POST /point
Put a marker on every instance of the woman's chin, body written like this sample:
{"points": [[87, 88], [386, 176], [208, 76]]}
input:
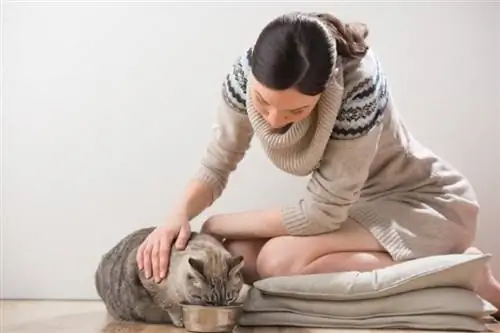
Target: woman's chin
{"points": [[282, 129]]}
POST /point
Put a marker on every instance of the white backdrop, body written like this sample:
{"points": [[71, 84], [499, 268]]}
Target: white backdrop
{"points": [[107, 108]]}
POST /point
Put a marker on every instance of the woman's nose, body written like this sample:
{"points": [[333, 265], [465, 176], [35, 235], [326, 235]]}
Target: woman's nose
{"points": [[275, 120]]}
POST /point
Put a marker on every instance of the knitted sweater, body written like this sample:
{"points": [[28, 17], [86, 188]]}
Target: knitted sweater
{"points": [[354, 147]]}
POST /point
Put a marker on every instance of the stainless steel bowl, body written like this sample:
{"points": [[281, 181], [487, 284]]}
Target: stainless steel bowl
{"points": [[210, 319]]}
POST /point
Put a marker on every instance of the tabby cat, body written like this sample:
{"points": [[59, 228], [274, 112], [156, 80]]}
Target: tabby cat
{"points": [[205, 273]]}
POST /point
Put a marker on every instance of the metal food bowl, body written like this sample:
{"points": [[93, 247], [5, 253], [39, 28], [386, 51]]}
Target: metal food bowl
{"points": [[210, 319]]}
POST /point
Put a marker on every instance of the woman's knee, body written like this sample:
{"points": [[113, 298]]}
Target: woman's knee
{"points": [[249, 249], [290, 255], [279, 258]]}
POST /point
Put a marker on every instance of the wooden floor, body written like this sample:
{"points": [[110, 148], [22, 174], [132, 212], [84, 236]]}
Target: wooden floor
{"points": [[90, 317]]}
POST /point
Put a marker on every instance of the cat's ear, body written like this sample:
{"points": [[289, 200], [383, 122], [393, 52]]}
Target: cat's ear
{"points": [[197, 265], [235, 264]]}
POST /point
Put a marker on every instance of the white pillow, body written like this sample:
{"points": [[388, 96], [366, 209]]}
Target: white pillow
{"points": [[453, 270]]}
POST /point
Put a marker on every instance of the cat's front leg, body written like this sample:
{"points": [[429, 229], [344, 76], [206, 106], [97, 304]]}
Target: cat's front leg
{"points": [[175, 313]]}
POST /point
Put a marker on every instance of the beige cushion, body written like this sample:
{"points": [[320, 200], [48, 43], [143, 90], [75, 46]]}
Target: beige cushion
{"points": [[429, 293], [433, 308], [445, 300], [454, 270], [436, 322]]}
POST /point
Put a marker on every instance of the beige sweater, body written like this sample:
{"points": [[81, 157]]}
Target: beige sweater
{"points": [[355, 148]]}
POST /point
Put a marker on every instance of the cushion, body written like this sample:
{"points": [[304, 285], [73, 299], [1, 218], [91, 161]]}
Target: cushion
{"points": [[442, 300], [453, 270], [432, 293], [441, 322]]}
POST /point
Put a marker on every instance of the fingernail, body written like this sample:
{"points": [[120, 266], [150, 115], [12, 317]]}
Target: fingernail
{"points": [[147, 275]]}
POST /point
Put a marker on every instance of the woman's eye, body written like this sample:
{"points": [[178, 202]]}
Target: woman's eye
{"points": [[261, 101], [296, 112]]}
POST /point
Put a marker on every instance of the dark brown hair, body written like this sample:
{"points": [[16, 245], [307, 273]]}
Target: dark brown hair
{"points": [[296, 53], [350, 37]]}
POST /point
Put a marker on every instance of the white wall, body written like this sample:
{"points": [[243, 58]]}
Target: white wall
{"points": [[99, 102]]}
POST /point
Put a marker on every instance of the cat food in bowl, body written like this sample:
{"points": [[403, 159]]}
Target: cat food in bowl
{"points": [[210, 319]]}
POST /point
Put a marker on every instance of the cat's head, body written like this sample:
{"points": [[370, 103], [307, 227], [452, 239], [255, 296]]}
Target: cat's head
{"points": [[214, 280]]}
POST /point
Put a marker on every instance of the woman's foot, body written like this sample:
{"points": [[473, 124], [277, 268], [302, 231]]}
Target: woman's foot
{"points": [[488, 287]]}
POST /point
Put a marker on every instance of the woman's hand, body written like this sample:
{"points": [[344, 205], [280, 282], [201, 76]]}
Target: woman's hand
{"points": [[154, 253]]}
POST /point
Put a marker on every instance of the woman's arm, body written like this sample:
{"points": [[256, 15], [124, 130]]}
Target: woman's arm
{"points": [[330, 193], [334, 188], [232, 134], [244, 225], [196, 198], [230, 141]]}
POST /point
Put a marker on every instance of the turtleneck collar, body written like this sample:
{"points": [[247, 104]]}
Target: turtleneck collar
{"points": [[299, 149]]}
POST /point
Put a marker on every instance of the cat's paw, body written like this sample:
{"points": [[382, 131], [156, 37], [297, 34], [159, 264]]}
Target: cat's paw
{"points": [[177, 322], [176, 316]]}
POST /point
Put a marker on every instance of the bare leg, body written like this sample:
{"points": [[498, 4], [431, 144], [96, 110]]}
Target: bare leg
{"points": [[290, 255], [349, 261], [249, 249], [489, 287]]}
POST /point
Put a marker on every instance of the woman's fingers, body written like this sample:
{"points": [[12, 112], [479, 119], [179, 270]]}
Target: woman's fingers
{"points": [[140, 256], [183, 237], [153, 255], [164, 256], [147, 259]]}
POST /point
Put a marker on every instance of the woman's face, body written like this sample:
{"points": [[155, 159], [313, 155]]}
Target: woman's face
{"points": [[281, 107]]}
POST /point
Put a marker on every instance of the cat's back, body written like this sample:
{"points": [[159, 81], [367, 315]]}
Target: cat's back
{"points": [[117, 282], [118, 262], [127, 244]]}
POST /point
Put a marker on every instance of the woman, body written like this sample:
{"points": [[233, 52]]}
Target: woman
{"points": [[314, 94]]}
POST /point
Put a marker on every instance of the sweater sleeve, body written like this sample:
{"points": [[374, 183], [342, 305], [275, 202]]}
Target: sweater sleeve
{"points": [[232, 131], [336, 185]]}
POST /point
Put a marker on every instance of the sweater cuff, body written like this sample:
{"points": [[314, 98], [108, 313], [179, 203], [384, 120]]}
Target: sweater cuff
{"points": [[296, 222], [216, 183]]}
